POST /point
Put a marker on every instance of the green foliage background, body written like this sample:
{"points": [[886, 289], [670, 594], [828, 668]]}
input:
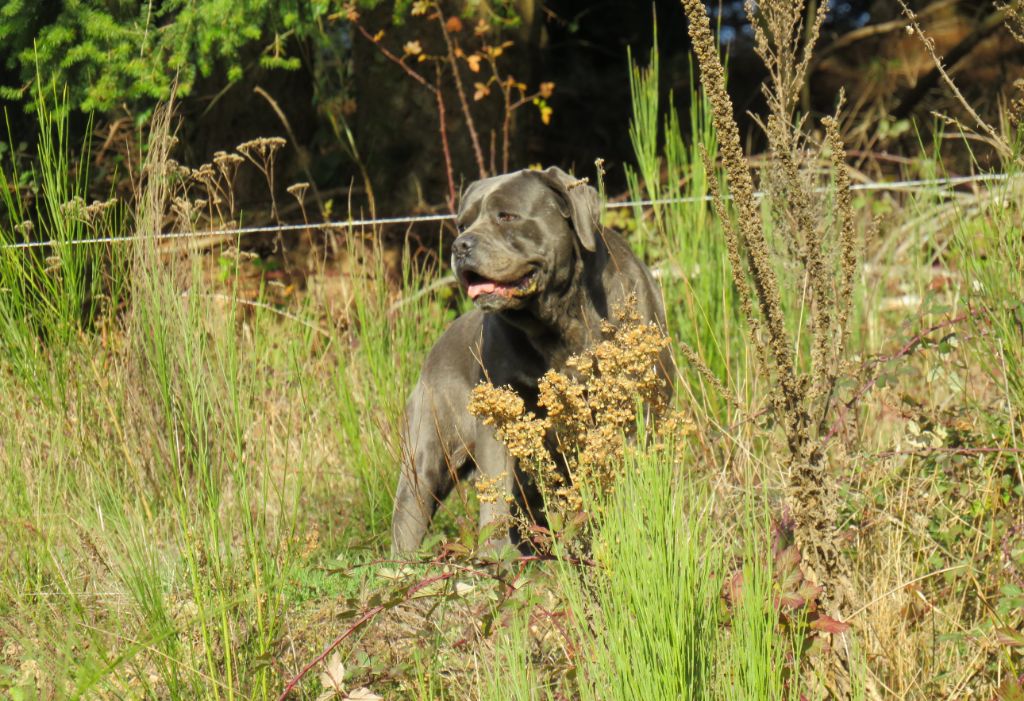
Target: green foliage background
{"points": [[114, 51], [111, 51]]}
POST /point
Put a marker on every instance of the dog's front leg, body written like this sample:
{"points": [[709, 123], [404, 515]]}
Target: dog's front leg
{"points": [[424, 481], [496, 468]]}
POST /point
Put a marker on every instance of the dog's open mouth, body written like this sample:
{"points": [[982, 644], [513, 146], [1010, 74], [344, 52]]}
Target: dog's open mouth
{"points": [[477, 285]]}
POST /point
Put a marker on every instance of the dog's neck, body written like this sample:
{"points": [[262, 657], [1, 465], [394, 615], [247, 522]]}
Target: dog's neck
{"points": [[566, 322]]}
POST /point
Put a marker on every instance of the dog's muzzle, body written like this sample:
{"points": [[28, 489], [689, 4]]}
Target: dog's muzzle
{"points": [[477, 283]]}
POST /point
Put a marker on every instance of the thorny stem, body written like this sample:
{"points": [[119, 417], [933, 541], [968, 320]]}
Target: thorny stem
{"points": [[411, 592], [438, 97], [443, 128], [506, 124], [394, 59], [470, 124], [365, 618], [997, 141], [908, 348], [510, 108], [923, 452]]}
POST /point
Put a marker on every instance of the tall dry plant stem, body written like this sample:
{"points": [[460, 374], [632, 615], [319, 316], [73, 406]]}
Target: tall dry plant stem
{"points": [[748, 237], [154, 190], [777, 35], [463, 102], [800, 398]]}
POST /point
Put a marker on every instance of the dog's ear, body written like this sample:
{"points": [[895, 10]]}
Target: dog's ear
{"points": [[582, 205]]}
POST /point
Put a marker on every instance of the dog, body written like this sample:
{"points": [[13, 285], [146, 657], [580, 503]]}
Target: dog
{"points": [[542, 275]]}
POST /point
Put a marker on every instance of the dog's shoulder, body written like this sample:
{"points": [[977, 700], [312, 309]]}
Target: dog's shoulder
{"points": [[459, 344], [619, 251]]}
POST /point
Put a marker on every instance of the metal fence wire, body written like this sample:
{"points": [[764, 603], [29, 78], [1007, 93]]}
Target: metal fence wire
{"points": [[937, 184]]}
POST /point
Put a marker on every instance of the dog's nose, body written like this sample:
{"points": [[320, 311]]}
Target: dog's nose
{"points": [[463, 245]]}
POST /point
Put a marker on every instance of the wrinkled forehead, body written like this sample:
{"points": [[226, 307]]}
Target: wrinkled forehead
{"points": [[518, 192]]}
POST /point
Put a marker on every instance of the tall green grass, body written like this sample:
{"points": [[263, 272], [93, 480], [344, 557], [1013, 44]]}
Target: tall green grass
{"points": [[206, 458], [990, 249], [48, 295], [680, 235], [512, 674], [387, 341], [648, 618], [649, 613]]}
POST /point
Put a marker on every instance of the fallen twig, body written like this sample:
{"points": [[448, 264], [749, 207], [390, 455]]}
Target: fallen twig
{"points": [[365, 618]]}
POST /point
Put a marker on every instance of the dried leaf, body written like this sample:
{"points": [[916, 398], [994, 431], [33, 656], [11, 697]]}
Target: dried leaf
{"points": [[791, 600], [420, 7], [333, 674], [810, 592], [394, 575], [827, 624], [454, 549], [1010, 637], [481, 91], [546, 89], [362, 694], [412, 48], [474, 62], [787, 559], [734, 587]]}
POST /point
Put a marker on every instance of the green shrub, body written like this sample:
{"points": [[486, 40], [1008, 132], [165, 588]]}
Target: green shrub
{"points": [[126, 51]]}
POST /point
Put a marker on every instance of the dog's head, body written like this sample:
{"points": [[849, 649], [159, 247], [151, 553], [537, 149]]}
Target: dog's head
{"points": [[521, 234]]}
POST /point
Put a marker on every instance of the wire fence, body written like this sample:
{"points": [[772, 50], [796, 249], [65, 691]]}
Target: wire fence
{"points": [[932, 184]]}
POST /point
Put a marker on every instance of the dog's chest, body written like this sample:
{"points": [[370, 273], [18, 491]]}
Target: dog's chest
{"points": [[510, 358]]}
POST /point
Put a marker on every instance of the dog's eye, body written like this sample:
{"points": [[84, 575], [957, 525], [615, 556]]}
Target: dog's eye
{"points": [[507, 216]]}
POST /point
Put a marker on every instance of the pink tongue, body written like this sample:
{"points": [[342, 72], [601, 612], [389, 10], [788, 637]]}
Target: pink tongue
{"points": [[480, 288]]}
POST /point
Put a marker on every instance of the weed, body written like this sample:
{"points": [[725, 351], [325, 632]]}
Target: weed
{"points": [[586, 418], [51, 293], [800, 401]]}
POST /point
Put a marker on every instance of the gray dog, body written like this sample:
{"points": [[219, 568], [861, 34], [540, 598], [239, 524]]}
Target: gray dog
{"points": [[542, 273]]}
